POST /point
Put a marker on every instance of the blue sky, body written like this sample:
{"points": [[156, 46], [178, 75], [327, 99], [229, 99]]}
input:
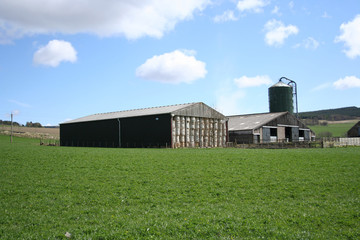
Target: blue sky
{"points": [[61, 60]]}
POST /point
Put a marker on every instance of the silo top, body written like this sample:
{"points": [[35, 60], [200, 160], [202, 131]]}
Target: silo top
{"points": [[280, 84]]}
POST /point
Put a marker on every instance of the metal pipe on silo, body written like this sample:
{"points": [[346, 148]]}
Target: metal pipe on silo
{"points": [[292, 82]]}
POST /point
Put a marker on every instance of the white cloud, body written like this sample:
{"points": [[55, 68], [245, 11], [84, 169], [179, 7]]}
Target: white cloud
{"points": [[351, 37], [133, 19], [21, 104], [54, 52], [291, 5], [321, 87], [308, 43], [227, 101], [277, 32], [174, 67], [226, 16], [276, 11], [311, 43], [252, 5], [347, 82], [325, 15], [15, 112], [244, 81], [231, 92]]}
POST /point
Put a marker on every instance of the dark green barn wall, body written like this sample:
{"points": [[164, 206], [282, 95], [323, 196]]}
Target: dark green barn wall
{"points": [[143, 131], [241, 137], [146, 131], [90, 134]]}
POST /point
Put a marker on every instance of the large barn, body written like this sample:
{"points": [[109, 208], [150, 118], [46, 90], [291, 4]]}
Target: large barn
{"points": [[182, 125], [268, 127]]}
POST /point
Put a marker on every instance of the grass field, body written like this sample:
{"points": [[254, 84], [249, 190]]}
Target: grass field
{"points": [[337, 129], [96, 193]]}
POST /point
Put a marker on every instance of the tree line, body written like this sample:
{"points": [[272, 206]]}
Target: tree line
{"points": [[28, 124], [337, 114]]}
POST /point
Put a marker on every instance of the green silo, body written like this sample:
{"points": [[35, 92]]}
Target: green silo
{"points": [[281, 98]]}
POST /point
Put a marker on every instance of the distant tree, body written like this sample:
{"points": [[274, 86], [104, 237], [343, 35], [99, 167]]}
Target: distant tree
{"points": [[31, 124], [9, 123], [311, 121], [37, 125], [333, 114], [324, 123]]}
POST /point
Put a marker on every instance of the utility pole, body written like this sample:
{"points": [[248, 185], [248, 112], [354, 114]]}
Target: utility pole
{"points": [[11, 134]]}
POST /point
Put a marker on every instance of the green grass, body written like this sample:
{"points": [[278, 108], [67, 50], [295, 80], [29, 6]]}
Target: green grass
{"points": [[337, 129], [96, 193]]}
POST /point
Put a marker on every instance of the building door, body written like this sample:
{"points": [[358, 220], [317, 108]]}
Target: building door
{"points": [[306, 135], [266, 134], [295, 133], [288, 134], [256, 139]]}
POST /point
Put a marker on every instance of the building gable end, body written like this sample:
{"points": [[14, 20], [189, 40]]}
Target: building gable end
{"points": [[199, 110]]}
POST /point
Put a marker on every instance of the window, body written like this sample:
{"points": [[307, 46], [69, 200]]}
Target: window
{"points": [[301, 133], [273, 132]]}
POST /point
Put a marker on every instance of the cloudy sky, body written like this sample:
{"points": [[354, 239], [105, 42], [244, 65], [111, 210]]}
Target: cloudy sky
{"points": [[65, 59]]}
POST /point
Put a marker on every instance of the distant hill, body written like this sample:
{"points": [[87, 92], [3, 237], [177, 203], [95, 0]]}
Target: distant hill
{"points": [[337, 114]]}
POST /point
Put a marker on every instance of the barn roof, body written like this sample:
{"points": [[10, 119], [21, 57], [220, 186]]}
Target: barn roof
{"points": [[197, 109], [251, 121]]}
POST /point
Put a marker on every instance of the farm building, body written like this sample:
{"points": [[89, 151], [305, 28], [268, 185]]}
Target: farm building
{"points": [[354, 131], [268, 127], [183, 125]]}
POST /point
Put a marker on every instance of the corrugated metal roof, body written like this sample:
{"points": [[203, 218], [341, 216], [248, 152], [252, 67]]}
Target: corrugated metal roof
{"points": [[132, 113], [251, 121]]}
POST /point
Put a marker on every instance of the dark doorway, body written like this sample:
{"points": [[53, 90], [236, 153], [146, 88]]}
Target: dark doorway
{"points": [[288, 133]]}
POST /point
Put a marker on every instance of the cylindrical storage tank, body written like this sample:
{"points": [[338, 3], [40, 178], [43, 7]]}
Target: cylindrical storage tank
{"points": [[281, 98]]}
